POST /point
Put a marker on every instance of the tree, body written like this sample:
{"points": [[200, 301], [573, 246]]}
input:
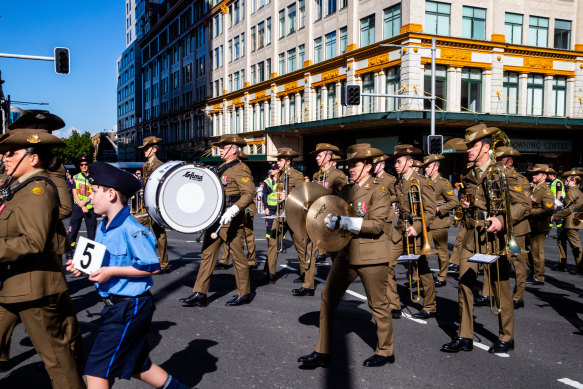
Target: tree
{"points": [[76, 146]]}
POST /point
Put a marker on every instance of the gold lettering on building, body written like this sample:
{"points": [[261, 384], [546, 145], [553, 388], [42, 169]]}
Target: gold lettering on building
{"points": [[378, 60], [330, 74], [456, 54]]}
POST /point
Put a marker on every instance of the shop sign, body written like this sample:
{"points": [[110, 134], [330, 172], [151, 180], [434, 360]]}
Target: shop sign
{"points": [[542, 145]]}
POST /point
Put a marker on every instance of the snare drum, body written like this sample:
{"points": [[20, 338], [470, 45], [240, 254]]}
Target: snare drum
{"points": [[184, 196]]}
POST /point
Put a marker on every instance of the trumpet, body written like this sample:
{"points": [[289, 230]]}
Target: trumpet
{"points": [[280, 214]]}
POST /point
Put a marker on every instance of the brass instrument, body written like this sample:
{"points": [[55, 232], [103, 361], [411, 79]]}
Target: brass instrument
{"points": [[458, 213], [280, 212]]}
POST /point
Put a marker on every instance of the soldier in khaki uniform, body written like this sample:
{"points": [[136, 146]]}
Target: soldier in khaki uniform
{"points": [[571, 225], [239, 194], [543, 203], [386, 180], [293, 177], [403, 157], [34, 288], [446, 201], [480, 224], [506, 155], [150, 147], [331, 178], [365, 256]]}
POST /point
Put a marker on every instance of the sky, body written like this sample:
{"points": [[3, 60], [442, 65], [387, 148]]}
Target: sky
{"points": [[94, 32]]}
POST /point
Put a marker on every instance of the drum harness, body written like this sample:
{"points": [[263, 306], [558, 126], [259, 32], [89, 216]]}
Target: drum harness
{"points": [[232, 199]]}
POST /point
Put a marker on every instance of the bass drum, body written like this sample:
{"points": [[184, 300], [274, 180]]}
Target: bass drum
{"points": [[184, 196]]}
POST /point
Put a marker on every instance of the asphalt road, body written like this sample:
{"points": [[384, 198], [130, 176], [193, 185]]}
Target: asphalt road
{"points": [[257, 345]]}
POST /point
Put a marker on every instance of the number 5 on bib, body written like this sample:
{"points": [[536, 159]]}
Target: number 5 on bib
{"points": [[88, 255]]}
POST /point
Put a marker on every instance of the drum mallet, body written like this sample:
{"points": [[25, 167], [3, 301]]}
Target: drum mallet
{"points": [[215, 234]]}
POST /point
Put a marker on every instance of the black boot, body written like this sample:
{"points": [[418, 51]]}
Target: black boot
{"points": [[196, 299]]}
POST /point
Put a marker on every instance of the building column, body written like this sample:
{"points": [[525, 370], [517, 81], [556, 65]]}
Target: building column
{"points": [[266, 114], [548, 108], [324, 104], [257, 113], [486, 90], [522, 90], [278, 109], [380, 87], [246, 112], [337, 103], [451, 87], [285, 110], [497, 103], [570, 97], [412, 73], [299, 108], [221, 123]]}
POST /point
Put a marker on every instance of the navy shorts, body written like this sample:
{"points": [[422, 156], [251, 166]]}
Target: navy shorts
{"points": [[121, 349]]}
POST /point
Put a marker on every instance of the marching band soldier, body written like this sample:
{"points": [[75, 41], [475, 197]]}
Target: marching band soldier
{"points": [[290, 177], [479, 224], [365, 256], [506, 155], [542, 210], [571, 223], [239, 194], [150, 145], [403, 157], [331, 178], [446, 201], [386, 180]]}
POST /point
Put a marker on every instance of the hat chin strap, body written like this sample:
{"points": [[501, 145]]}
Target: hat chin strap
{"points": [[10, 179]]}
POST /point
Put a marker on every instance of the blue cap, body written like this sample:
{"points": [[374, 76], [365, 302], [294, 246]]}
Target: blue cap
{"points": [[107, 175]]}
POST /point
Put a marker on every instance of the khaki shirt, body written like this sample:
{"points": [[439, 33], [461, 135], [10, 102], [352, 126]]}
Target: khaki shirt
{"points": [[251, 208], [294, 178], [237, 180], [331, 178], [149, 167], [568, 214], [388, 181], [29, 264], [443, 194], [542, 208], [521, 221]]}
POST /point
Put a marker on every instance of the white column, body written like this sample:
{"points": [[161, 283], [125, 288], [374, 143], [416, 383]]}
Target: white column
{"points": [[299, 108], [286, 109], [266, 114], [278, 109], [246, 112], [486, 91], [221, 124], [337, 102], [452, 90], [548, 108], [522, 90], [570, 97], [257, 113], [324, 105], [497, 102], [214, 122], [381, 86]]}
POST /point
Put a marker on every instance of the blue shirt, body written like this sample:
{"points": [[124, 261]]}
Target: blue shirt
{"points": [[127, 243]]}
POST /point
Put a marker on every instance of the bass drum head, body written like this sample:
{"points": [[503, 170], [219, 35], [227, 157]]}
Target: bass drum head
{"points": [[190, 198], [151, 190]]}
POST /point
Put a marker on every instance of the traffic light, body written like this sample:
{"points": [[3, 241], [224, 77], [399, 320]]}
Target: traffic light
{"points": [[350, 95], [434, 144], [62, 65]]}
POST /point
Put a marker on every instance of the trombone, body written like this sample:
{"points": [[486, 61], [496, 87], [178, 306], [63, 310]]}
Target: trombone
{"points": [[280, 214]]}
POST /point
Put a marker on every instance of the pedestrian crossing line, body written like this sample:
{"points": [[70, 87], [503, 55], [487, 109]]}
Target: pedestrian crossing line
{"points": [[360, 296], [484, 347], [570, 382]]}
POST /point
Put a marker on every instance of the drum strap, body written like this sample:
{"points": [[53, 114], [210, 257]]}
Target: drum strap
{"points": [[222, 169]]}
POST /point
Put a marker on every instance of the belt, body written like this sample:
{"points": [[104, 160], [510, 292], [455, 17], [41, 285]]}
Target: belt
{"points": [[114, 299], [231, 200]]}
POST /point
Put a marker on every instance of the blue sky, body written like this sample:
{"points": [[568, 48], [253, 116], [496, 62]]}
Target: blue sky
{"points": [[94, 31]]}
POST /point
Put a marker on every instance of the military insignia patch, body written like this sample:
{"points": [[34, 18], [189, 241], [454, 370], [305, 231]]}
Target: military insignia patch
{"points": [[450, 192], [139, 233], [549, 205], [245, 179], [38, 191], [383, 188], [518, 188]]}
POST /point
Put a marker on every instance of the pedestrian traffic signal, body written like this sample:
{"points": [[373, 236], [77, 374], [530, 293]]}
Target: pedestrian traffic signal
{"points": [[434, 144], [62, 65], [350, 95]]}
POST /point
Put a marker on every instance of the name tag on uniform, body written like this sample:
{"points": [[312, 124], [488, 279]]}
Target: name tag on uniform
{"points": [[483, 258], [408, 257], [88, 255]]}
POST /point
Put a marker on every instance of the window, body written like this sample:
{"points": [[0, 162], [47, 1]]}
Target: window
{"points": [[282, 23], [218, 25], [534, 94], [474, 23], [291, 60], [331, 103], [513, 28], [368, 87], [236, 84], [559, 100], [471, 89], [331, 45], [231, 51], [440, 86], [291, 15], [318, 10], [253, 79], [318, 103], [230, 83], [268, 35], [367, 31], [437, 18], [237, 53], [261, 71], [253, 39], [562, 34], [301, 55], [343, 39], [392, 86], [268, 68], [242, 44], [510, 87], [302, 21], [392, 21], [261, 35], [237, 14], [331, 6], [317, 50], [538, 31], [281, 64]]}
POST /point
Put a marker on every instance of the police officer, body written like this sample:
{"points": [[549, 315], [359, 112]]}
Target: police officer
{"points": [[543, 203], [331, 178], [287, 179], [150, 146], [365, 256], [82, 209], [571, 221], [446, 201], [480, 225], [34, 288], [239, 194], [403, 157]]}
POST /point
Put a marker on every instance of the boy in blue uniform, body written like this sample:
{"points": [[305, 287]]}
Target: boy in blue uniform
{"points": [[123, 282]]}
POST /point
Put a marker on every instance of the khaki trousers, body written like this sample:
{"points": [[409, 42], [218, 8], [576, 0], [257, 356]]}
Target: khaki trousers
{"points": [[439, 238], [232, 236], [272, 248], [457, 248], [374, 280], [395, 251], [468, 275], [519, 264], [249, 242], [570, 235], [161, 240], [310, 267], [537, 253]]}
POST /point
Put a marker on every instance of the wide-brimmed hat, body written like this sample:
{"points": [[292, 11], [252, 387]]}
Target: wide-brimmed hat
{"points": [[242, 156], [572, 173], [150, 141], [336, 157], [432, 158], [417, 163], [286, 152], [38, 119], [382, 158], [232, 139], [405, 149], [506, 151], [325, 147], [29, 137], [479, 131], [362, 151], [458, 144], [541, 168]]}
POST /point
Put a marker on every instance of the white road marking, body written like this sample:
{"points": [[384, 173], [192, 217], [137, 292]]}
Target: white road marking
{"points": [[484, 347], [570, 382]]}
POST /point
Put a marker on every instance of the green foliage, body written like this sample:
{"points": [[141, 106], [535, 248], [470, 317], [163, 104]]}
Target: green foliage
{"points": [[77, 145]]}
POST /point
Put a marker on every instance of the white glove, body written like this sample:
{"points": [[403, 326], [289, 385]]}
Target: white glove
{"points": [[229, 214], [352, 224]]}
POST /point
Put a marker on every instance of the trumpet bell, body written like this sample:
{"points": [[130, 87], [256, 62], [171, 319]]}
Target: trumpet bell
{"points": [[323, 237]]}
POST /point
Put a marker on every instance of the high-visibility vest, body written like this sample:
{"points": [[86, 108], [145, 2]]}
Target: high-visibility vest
{"points": [[271, 197], [554, 188], [83, 187]]}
